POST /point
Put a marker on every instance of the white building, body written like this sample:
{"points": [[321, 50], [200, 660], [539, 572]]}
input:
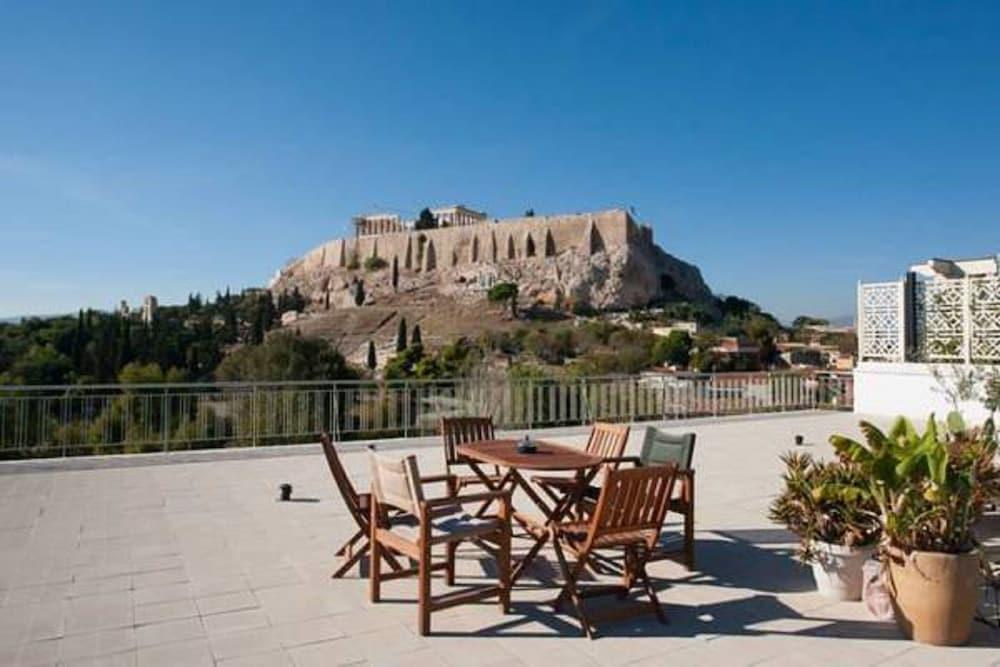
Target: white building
{"points": [[691, 328], [149, 306], [375, 224], [457, 216], [927, 342]]}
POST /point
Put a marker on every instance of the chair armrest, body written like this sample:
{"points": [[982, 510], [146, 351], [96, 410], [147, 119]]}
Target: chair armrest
{"points": [[624, 459], [432, 479], [467, 498]]}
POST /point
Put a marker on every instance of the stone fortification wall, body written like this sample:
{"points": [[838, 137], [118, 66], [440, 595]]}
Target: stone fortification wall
{"points": [[602, 259], [490, 242]]}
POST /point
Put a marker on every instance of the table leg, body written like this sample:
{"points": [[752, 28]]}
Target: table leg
{"points": [[552, 515]]}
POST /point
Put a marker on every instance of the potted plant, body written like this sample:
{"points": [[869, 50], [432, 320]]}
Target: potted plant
{"points": [[930, 488], [829, 507]]}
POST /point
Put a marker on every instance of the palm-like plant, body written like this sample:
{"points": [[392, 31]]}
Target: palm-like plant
{"points": [[930, 487], [825, 502]]}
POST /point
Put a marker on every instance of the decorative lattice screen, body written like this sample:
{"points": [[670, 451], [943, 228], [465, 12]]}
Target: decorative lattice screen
{"points": [[880, 321], [939, 308], [984, 315]]}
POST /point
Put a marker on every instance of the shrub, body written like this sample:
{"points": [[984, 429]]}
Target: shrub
{"points": [[375, 264], [930, 487], [825, 502]]}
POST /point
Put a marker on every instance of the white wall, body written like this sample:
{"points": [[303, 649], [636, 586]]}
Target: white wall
{"points": [[890, 389]]}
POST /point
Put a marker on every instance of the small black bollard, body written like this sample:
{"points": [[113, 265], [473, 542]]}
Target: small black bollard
{"points": [[799, 440], [286, 492]]}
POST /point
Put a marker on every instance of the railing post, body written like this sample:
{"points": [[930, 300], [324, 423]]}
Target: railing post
{"points": [[406, 408], [715, 395], [165, 420], [253, 417]]}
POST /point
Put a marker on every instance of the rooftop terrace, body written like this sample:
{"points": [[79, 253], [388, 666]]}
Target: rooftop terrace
{"points": [[186, 559]]}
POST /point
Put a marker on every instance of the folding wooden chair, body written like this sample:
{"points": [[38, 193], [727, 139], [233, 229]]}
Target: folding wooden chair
{"points": [[606, 440], [398, 484], [359, 507], [457, 431], [628, 516], [662, 448]]}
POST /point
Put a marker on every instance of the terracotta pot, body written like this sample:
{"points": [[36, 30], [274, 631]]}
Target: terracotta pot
{"points": [[934, 595], [837, 570]]}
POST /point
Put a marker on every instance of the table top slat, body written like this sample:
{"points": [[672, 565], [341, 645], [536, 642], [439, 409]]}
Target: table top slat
{"points": [[548, 456]]}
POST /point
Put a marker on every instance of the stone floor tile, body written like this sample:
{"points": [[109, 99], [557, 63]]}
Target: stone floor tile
{"points": [[233, 621], [218, 604], [169, 631], [245, 643], [307, 632], [162, 593], [165, 611], [128, 659], [272, 659], [189, 653]]}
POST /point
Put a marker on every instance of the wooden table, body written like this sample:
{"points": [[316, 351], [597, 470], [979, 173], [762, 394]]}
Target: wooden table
{"points": [[548, 457]]}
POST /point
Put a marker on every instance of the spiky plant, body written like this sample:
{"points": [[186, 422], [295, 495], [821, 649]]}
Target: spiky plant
{"points": [[825, 502]]}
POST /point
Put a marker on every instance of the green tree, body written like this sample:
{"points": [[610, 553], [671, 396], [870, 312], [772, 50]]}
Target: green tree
{"points": [[372, 357], [425, 220], [415, 338], [285, 356], [530, 213], [674, 349], [42, 364], [137, 372], [375, 264], [401, 335], [504, 292]]}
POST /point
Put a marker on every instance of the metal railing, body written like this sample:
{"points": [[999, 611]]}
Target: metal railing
{"points": [[104, 419]]}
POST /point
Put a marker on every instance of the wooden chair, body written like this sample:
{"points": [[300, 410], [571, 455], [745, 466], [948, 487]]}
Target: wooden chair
{"points": [[398, 484], [662, 448], [358, 506], [628, 516], [606, 440], [457, 431]]}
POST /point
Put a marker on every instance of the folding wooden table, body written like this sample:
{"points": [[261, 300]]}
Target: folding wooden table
{"points": [[547, 457]]}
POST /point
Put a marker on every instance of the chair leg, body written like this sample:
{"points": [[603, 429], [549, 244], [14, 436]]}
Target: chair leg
{"points": [[424, 592], [450, 550], [503, 565], [654, 601], [689, 526], [375, 573], [569, 589], [346, 547], [350, 561]]}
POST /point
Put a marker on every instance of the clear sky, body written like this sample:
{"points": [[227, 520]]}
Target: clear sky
{"points": [[788, 149]]}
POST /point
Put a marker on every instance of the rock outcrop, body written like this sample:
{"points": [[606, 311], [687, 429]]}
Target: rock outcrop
{"points": [[358, 289], [602, 260]]}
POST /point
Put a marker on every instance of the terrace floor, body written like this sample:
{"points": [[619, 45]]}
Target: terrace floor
{"points": [[187, 559]]}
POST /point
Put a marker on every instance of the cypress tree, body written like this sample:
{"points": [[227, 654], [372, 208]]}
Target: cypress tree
{"points": [[78, 342], [401, 335], [372, 359], [415, 336]]}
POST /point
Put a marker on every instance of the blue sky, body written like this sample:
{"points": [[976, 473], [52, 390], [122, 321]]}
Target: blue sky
{"points": [[788, 149]]}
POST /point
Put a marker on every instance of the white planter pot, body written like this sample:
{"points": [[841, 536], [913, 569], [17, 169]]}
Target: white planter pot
{"points": [[837, 570]]}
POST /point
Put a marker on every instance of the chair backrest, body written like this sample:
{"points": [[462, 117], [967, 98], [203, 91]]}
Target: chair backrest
{"points": [[347, 490], [660, 447], [608, 441], [459, 430], [396, 482], [633, 501]]}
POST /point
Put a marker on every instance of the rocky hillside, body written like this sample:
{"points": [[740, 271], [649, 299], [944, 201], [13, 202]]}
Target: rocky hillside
{"points": [[363, 299]]}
